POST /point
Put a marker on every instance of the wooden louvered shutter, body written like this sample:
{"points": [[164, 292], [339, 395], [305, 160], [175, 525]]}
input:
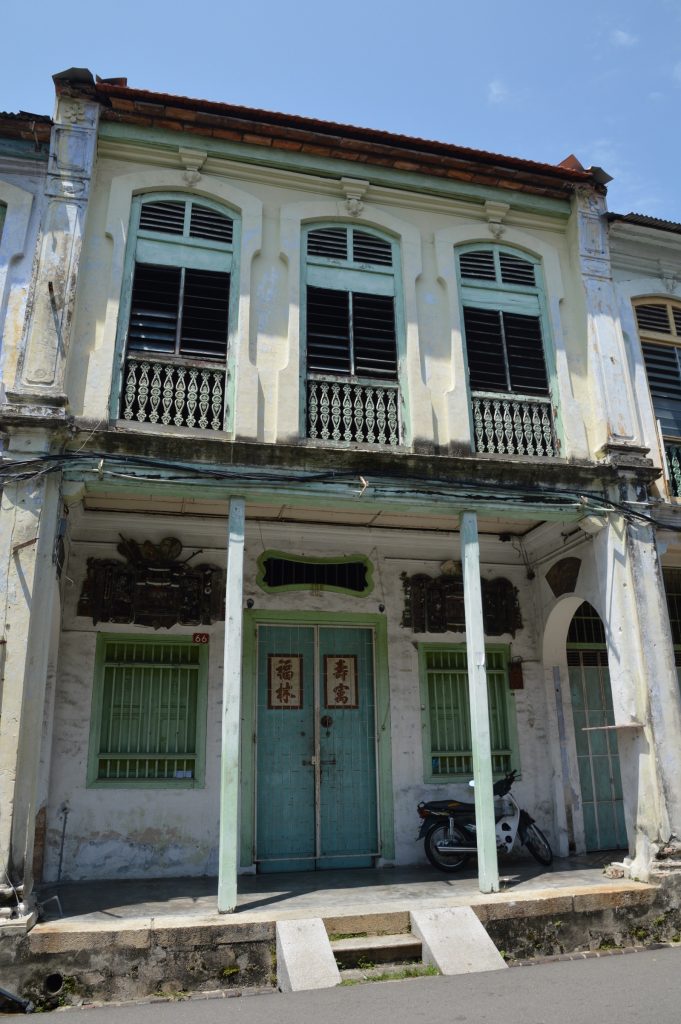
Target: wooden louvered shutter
{"points": [[373, 328], [664, 378], [328, 331], [168, 300], [505, 352]]}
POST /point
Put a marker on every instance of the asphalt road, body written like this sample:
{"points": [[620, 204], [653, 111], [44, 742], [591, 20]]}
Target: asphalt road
{"points": [[630, 989]]}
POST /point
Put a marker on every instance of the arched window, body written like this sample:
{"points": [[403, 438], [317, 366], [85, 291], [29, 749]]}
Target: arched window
{"points": [[659, 326], [176, 312], [502, 299], [351, 332]]}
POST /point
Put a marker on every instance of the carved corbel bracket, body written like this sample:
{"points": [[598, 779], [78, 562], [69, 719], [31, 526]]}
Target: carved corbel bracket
{"points": [[192, 160], [354, 190], [495, 213]]}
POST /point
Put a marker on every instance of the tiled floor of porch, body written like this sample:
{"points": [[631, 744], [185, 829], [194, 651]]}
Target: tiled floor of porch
{"points": [[159, 902]]}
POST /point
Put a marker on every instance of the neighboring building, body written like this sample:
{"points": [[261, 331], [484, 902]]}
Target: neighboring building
{"points": [[388, 355]]}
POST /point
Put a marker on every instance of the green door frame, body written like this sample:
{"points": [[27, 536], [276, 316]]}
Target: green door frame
{"points": [[252, 619]]}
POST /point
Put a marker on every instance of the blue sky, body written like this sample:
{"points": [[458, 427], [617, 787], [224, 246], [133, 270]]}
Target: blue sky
{"points": [[539, 80]]}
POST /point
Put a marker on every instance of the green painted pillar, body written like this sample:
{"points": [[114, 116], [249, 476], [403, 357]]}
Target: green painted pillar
{"points": [[231, 709], [488, 868]]}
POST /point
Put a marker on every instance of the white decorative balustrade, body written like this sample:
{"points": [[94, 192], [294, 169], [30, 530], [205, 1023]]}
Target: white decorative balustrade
{"points": [[339, 409], [513, 425], [173, 393]]}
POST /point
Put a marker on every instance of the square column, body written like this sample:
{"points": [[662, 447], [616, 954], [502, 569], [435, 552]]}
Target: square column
{"points": [[28, 589], [488, 868], [645, 690], [231, 709]]}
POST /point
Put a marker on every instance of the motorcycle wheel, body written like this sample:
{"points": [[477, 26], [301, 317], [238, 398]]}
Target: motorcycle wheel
{"points": [[538, 845], [436, 842]]}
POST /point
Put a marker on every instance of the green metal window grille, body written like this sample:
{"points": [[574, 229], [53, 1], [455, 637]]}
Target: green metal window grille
{"points": [[446, 676], [148, 711], [586, 626]]}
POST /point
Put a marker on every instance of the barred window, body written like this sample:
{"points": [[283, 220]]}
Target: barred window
{"points": [[148, 711], [447, 712]]}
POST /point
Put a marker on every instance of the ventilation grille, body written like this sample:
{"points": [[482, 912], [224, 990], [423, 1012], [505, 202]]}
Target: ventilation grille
{"points": [[478, 265], [505, 352], [516, 271], [654, 317], [285, 572], [210, 224], [177, 311], [168, 217], [351, 333], [164, 216], [370, 249], [586, 627], [331, 243]]}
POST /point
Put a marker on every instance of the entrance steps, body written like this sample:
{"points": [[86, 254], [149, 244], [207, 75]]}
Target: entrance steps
{"points": [[449, 940]]}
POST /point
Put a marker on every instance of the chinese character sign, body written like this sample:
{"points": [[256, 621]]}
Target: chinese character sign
{"points": [[285, 681], [340, 681]]}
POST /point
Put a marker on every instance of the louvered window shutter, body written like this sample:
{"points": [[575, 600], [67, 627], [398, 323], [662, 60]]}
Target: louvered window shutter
{"points": [[178, 311], [351, 333], [664, 377], [505, 352]]}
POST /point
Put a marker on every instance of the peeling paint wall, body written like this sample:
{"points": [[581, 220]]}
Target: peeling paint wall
{"points": [[136, 832]]}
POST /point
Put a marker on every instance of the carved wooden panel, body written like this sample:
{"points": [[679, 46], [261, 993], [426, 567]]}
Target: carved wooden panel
{"points": [[436, 605], [152, 587]]}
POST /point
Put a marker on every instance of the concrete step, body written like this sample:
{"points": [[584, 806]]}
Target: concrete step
{"points": [[376, 949]]}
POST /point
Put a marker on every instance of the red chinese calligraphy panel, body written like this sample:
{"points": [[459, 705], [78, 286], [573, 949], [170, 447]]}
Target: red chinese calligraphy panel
{"points": [[285, 681], [340, 681]]}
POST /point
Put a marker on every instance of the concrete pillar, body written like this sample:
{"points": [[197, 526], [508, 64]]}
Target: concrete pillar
{"points": [[231, 709], [608, 368], [29, 516], [488, 869], [645, 691], [39, 381]]}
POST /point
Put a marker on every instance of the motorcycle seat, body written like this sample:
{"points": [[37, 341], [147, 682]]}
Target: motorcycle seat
{"points": [[448, 805]]}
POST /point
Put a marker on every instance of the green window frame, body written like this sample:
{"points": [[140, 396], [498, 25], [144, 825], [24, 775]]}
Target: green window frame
{"points": [[148, 719], [179, 299], [331, 579], [446, 728], [504, 320], [659, 328], [352, 332]]}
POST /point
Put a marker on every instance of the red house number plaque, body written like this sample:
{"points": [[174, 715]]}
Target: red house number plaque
{"points": [[200, 638]]}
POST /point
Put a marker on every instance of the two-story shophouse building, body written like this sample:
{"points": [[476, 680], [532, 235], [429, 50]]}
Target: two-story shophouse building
{"points": [[277, 380]]}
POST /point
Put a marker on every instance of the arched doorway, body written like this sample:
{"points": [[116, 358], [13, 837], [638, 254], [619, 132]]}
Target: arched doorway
{"points": [[595, 735]]}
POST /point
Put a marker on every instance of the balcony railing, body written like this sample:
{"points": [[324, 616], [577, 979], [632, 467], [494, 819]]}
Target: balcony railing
{"points": [[513, 425], [363, 411], [173, 392], [672, 450]]}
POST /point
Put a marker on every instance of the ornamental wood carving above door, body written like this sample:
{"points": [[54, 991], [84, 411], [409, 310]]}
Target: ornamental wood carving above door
{"points": [[436, 605], [152, 587]]}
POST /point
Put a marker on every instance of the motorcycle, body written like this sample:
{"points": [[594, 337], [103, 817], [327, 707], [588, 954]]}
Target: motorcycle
{"points": [[448, 828]]}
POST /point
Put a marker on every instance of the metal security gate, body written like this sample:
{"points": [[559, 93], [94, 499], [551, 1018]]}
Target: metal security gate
{"points": [[316, 748], [595, 737]]}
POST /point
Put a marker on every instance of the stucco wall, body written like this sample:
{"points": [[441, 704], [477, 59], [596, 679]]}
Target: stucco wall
{"points": [[134, 832]]}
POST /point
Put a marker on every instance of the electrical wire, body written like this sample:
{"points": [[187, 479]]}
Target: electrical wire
{"points": [[189, 473]]}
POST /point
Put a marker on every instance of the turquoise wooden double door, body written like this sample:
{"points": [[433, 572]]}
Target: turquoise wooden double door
{"points": [[316, 748]]}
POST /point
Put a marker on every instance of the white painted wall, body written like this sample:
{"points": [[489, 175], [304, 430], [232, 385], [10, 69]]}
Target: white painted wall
{"points": [[146, 832]]}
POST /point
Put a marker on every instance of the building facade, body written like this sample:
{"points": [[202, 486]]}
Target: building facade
{"points": [[274, 383]]}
